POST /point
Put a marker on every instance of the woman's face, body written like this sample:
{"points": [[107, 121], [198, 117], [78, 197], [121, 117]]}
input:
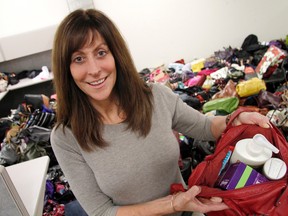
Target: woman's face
{"points": [[93, 70]]}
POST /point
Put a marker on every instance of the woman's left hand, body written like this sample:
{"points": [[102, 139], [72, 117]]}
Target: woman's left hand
{"points": [[252, 118], [189, 201]]}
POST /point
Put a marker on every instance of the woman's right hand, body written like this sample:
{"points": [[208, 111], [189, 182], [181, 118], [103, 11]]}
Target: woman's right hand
{"points": [[188, 201]]}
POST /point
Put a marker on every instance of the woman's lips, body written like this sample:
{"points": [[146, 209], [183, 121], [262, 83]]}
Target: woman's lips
{"points": [[97, 82]]}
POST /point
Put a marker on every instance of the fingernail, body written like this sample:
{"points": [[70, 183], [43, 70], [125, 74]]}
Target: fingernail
{"points": [[198, 188], [216, 199]]}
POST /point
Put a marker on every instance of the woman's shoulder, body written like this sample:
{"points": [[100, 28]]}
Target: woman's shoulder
{"points": [[160, 89], [62, 138], [164, 95], [60, 131]]}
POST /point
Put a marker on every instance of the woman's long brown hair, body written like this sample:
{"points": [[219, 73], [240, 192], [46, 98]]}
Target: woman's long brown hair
{"points": [[73, 107]]}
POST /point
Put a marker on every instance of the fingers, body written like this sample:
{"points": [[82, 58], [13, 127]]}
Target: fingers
{"points": [[264, 125], [202, 204], [212, 204], [262, 121], [217, 207], [254, 118], [194, 190]]}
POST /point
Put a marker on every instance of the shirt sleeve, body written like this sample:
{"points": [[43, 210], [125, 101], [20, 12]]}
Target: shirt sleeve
{"points": [[80, 177], [185, 119]]}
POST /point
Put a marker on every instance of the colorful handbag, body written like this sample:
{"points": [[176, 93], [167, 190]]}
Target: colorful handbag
{"points": [[226, 104], [228, 91], [269, 198], [250, 87], [271, 58]]}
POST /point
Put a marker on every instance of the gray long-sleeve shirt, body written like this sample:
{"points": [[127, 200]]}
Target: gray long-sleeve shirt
{"points": [[130, 170]]}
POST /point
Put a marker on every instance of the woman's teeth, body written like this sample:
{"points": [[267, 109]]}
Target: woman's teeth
{"points": [[98, 82]]}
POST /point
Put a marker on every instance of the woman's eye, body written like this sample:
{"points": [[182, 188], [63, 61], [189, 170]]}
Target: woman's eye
{"points": [[78, 59], [102, 53]]}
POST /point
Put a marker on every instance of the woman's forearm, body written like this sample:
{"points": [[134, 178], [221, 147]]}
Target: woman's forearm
{"points": [[180, 202], [162, 206]]}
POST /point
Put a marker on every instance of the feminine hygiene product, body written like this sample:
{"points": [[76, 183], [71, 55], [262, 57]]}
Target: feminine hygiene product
{"points": [[239, 175]]}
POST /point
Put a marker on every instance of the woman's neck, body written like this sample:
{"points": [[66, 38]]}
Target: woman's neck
{"points": [[111, 113]]}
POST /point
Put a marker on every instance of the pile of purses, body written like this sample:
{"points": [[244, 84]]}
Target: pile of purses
{"points": [[57, 187], [59, 199], [25, 134], [194, 96], [25, 144], [14, 78]]}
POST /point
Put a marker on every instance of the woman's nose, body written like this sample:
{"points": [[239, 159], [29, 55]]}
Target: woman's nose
{"points": [[93, 67]]}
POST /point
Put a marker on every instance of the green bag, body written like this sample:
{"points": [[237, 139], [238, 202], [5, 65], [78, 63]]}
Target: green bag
{"points": [[227, 104]]}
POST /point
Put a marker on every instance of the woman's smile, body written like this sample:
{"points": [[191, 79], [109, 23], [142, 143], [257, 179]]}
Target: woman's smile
{"points": [[98, 82]]}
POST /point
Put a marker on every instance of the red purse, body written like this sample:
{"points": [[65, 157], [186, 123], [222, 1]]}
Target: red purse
{"points": [[268, 198]]}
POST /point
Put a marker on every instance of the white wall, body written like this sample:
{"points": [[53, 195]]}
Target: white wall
{"points": [[28, 26], [21, 16], [157, 31], [162, 31]]}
